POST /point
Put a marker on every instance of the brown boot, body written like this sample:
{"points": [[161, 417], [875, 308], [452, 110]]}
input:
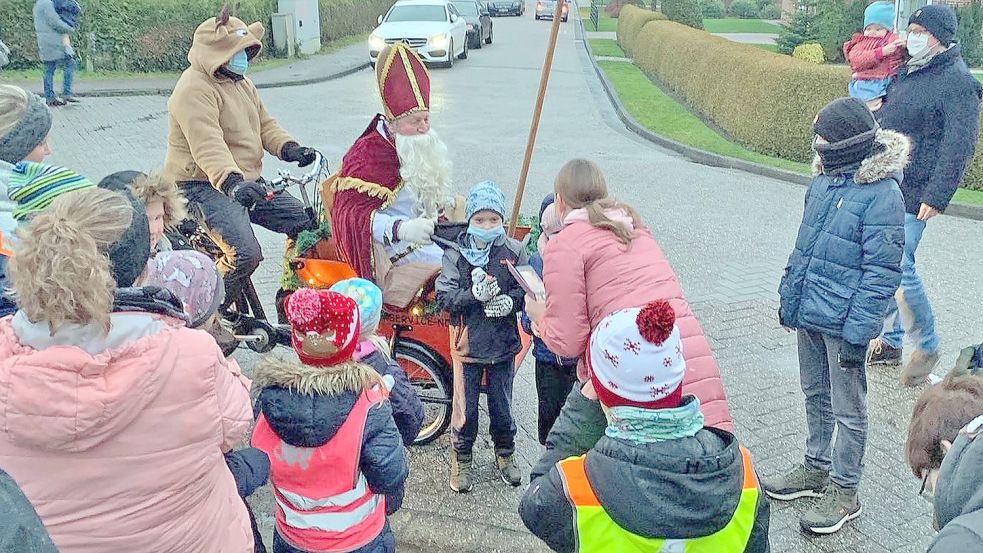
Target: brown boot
{"points": [[916, 372]]}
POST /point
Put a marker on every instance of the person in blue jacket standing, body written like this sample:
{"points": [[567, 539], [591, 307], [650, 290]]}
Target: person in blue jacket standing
{"points": [[838, 284]]}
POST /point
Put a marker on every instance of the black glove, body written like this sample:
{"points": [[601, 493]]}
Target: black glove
{"points": [[246, 192], [295, 153], [852, 356]]}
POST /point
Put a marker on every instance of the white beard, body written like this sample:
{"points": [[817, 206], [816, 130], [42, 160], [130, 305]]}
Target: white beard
{"points": [[425, 168]]}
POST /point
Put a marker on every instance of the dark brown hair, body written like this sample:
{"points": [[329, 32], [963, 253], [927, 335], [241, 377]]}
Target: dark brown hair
{"points": [[941, 411]]}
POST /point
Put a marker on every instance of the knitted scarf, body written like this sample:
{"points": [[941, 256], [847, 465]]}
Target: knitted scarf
{"points": [[645, 426]]}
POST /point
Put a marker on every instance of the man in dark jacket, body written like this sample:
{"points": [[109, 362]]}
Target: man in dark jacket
{"points": [[629, 465], [936, 102], [54, 51], [840, 277]]}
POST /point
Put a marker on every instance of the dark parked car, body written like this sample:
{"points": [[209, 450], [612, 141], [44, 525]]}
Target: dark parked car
{"points": [[507, 7], [479, 22]]}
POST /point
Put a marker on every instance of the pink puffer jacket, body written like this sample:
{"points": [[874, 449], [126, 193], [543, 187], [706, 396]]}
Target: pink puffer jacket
{"points": [[118, 439], [589, 274]]}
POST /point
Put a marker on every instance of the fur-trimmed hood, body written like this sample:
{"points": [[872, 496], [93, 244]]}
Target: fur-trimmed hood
{"points": [[889, 160], [305, 405], [350, 376]]}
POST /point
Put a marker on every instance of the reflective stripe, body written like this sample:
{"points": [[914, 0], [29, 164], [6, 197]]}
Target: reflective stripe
{"points": [[330, 522], [597, 531], [347, 498]]}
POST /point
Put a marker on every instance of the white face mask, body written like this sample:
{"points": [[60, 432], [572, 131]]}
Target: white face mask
{"points": [[917, 45]]}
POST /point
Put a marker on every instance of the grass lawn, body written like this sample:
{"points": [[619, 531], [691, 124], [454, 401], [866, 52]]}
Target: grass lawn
{"points": [[966, 196], [770, 47], [265, 63], [979, 76], [661, 114], [606, 47], [604, 22], [734, 25]]}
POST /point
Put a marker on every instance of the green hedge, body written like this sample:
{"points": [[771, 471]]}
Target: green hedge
{"points": [[763, 101], [630, 22], [154, 35], [687, 12]]}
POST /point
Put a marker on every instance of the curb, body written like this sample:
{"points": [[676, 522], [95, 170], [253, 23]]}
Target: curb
{"points": [[703, 157], [152, 91]]}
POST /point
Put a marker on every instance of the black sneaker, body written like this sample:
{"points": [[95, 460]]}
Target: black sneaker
{"points": [[71, 100], [801, 481], [880, 353], [56, 102]]}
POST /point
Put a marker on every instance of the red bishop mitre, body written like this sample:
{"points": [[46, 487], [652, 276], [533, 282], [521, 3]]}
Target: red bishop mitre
{"points": [[404, 81]]}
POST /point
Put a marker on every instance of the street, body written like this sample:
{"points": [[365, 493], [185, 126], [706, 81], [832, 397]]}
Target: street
{"points": [[727, 233]]}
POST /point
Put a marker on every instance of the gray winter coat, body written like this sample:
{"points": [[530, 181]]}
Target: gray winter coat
{"points": [[959, 494], [678, 489], [50, 28]]}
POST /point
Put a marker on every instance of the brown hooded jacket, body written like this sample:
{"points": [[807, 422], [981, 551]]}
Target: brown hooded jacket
{"points": [[218, 124]]}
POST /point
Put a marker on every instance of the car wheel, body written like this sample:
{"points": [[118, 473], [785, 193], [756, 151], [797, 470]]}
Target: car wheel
{"points": [[477, 41], [464, 53], [491, 34], [450, 56]]}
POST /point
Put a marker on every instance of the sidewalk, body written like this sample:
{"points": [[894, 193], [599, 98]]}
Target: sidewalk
{"points": [[315, 69]]}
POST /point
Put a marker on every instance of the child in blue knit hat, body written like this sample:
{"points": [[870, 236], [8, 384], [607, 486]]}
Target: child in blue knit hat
{"points": [[875, 55], [483, 299]]}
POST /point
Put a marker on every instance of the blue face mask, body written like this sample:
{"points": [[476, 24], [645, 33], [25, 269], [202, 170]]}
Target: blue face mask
{"points": [[476, 256], [486, 235], [239, 63]]}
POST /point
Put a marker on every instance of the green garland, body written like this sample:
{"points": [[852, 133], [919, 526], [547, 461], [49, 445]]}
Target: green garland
{"points": [[305, 241]]}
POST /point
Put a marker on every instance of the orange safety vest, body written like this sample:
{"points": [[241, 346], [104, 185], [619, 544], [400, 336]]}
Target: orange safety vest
{"points": [[323, 502], [597, 531]]}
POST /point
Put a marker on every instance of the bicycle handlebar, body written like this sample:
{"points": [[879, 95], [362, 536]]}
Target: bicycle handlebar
{"points": [[285, 179]]}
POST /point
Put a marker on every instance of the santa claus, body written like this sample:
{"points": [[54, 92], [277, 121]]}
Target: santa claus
{"points": [[394, 182]]}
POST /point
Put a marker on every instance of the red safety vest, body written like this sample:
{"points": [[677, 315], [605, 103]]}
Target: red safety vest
{"points": [[323, 502]]}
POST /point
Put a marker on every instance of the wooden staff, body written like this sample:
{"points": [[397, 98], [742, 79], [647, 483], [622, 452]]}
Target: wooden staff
{"points": [[537, 114]]}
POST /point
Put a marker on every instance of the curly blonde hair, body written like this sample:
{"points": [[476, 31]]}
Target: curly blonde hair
{"points": [[581, 185], [61, 271], [154, 187]]}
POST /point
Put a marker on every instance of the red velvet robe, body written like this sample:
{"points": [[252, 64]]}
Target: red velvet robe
{"points": [[367, 182]]}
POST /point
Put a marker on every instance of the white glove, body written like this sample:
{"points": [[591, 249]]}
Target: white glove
{"points": [[481, 287], [499, 306], [418, 231]]}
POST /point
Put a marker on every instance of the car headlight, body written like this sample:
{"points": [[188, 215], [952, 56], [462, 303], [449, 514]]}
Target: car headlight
{"points": [[376, 42], [439, 41]]}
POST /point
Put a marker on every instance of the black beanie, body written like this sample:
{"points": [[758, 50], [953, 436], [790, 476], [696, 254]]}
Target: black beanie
{"points": [[937, 19], [849, 130], [843, 119], [129, 255]]}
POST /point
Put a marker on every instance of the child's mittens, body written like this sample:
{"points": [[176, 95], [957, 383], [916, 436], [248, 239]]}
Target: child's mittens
{"points": [[483, 288], [499, 306]]}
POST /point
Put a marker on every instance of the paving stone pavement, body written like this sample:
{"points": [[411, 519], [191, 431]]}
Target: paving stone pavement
{"points": [[727, 233]]}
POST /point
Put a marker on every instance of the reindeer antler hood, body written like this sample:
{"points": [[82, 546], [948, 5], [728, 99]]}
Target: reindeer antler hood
{"points": [[219, 38]]}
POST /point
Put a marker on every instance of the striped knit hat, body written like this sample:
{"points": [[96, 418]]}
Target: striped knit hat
{"points": [[35, 185]]}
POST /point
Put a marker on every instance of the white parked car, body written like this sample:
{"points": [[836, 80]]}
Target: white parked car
{"points": [[433, 28]]}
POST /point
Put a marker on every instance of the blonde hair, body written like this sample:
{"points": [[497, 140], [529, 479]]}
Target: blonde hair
{"points": [[581, 185], [154, 187], [61, 270], [13, 104]]}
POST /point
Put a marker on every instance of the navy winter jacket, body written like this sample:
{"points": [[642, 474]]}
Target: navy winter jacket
{"points": [[938, 107], [846, 265], [407, 407], [311, 419], [539, 349]]}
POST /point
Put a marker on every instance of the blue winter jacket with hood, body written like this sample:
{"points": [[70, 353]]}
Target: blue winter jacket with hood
{"points": [[846, 265]]}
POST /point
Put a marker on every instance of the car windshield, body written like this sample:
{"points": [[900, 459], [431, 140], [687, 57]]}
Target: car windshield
{"points": [[417, 13], [466, 8]]}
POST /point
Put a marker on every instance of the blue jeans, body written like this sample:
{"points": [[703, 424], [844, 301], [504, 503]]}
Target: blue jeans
{"points": [[68, 64], [835, 398], [910, 305]]}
